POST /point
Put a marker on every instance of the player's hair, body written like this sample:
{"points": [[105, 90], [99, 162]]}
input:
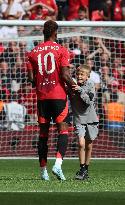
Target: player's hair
{"points": [[84, 68], [49, 28]]}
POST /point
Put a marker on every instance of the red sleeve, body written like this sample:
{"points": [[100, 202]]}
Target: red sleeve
{"points": [[65, 57]]}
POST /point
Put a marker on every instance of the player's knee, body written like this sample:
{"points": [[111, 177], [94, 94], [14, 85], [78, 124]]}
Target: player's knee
{"points": [[44, 130]]}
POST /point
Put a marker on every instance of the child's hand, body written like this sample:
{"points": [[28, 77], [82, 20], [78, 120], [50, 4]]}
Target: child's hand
{"points": [[75, 87]]}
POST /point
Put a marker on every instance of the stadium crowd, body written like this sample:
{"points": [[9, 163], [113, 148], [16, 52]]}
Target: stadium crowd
{"points": [[105, 57], [94, 10]]}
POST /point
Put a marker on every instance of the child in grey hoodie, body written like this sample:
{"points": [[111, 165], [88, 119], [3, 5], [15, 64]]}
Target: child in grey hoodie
{"points": [[85, 118]]}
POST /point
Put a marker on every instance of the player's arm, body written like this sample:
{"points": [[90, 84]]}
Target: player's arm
{"points": [[65, 70], [31, 77], [31, 74], [65, 75]]}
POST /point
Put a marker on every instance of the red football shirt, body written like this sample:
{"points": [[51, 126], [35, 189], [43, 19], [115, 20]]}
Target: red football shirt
{"points": [[46, 60]]}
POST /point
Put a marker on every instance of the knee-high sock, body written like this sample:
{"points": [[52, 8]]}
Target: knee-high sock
{"points": [[43, 151], [62, 144]]}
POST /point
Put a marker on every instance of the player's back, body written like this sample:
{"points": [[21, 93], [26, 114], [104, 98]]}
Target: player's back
{"points": [[47, 59]]}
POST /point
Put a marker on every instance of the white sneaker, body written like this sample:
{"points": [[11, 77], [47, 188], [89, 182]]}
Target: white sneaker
{"points": [[58, 173], [44, 175]]}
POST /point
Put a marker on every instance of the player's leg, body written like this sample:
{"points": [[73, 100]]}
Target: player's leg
{"points": [[61, 150], [44, 123], [43, 149], [60, 117]]}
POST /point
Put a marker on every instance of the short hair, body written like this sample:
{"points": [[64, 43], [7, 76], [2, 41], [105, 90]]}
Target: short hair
{"points": [[82, 8], [50, 27], [39, 7], [84, 68]]}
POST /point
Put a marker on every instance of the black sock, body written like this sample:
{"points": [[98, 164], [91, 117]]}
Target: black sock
{"points": [[82, 167], [86, 167], [62, 144]]}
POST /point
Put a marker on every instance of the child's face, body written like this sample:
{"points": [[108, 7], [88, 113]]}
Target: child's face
{"points": [[82, 15], [81, 76]]}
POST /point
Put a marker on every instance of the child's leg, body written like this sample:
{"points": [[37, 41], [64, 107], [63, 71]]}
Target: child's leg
{"points": [[81, 150], [91, 134], [88, 152], [82, 174], [80, 131]]}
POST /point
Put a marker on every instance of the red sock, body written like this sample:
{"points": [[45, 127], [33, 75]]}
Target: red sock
{"points": [[58, 155], [43, 163]]}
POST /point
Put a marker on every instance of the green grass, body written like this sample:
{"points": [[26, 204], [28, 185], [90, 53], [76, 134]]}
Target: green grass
{"points": [[23, 175], [63, 198], [19, 177]]}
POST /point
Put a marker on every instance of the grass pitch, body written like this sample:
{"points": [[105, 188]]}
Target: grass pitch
{"points": [[20, 180]]}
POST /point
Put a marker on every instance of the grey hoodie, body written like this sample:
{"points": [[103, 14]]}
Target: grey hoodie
{"points": [[82, 104]]}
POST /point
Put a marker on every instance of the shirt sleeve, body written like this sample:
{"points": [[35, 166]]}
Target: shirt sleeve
{"points": [[87, 93], [64, 57]]}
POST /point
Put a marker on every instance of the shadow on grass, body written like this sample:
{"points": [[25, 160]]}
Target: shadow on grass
{"points": [[61, 198]]}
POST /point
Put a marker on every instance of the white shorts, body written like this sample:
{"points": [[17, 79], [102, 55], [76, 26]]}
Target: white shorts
{"points": [[88, 131]]}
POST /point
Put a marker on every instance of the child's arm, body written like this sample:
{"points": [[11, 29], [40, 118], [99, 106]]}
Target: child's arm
{"points": [[87, 92]]}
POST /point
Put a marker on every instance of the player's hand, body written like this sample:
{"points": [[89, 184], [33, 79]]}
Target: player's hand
{"points": [[33, 83]]}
